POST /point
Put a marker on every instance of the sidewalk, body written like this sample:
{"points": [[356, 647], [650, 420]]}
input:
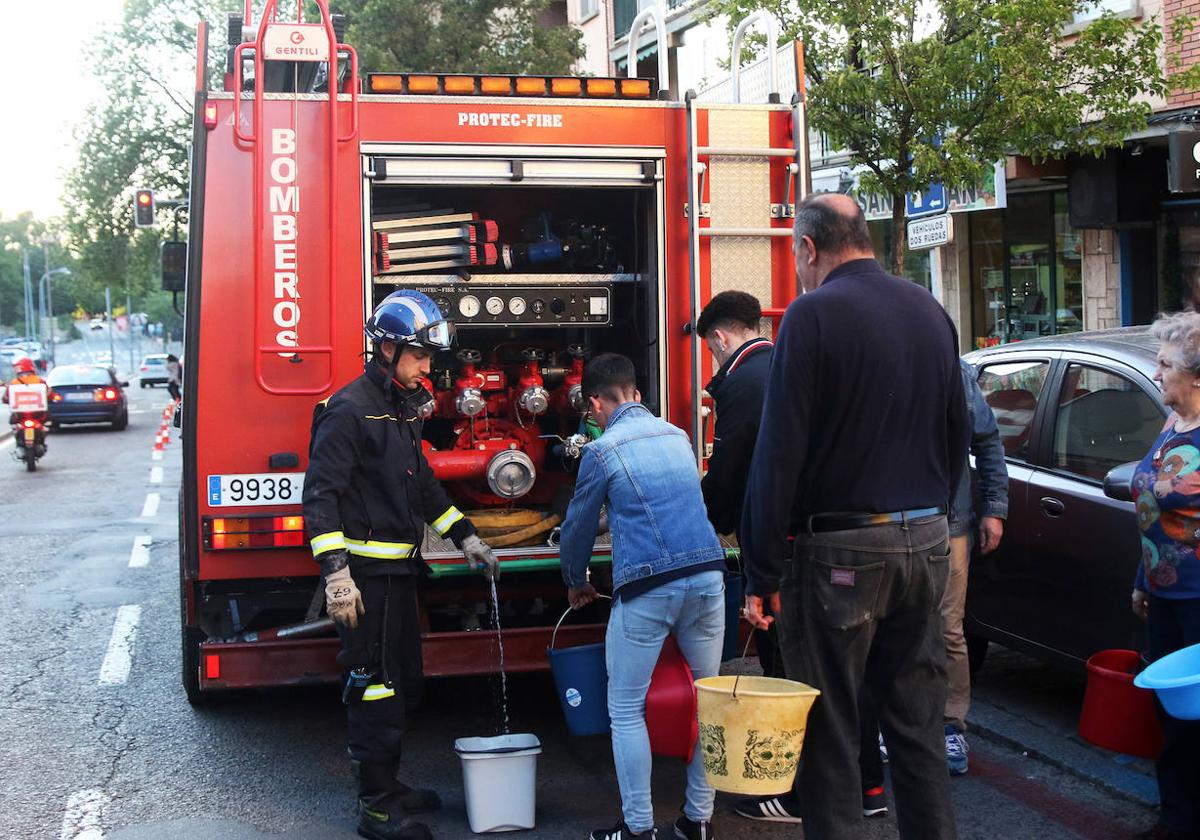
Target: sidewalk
{"points": [[1025, 705]]}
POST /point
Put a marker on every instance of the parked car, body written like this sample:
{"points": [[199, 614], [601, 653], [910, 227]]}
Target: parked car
{"points": [[1070, 408], [153, 370], [96, 323], [87, 394], [9, 355]]}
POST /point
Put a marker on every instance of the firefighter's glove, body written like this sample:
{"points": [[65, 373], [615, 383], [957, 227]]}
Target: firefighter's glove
{"points": [[480, 557], [342, 598]]}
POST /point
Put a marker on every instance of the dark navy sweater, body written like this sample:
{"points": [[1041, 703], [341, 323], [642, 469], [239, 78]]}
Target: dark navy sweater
{"points": [[864, 412]]}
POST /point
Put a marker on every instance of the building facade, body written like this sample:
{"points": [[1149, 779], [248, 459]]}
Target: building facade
{"points": [[1037, 249]]}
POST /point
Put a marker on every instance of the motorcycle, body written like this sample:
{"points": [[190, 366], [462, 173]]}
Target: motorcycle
{"points": [[30, 433]]}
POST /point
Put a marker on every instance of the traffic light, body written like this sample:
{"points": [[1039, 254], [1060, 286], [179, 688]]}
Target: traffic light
{"points": [[143, 209]]}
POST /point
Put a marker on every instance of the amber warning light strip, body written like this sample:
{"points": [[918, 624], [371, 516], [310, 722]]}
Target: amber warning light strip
{"points": [[546, 87]]}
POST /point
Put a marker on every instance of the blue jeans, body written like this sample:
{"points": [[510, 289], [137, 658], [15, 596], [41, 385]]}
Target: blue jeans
{"points": [[692, 609]]}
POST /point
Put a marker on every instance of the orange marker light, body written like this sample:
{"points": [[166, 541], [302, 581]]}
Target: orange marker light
{"points": [[566, 87], [387, 84], [210, 115], [499, 85], [637, 88], [602, 87], [422, 84], [531, 86], [459, 84]]}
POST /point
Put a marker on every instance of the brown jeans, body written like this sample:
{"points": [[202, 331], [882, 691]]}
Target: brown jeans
{"points": [[954, 606]]}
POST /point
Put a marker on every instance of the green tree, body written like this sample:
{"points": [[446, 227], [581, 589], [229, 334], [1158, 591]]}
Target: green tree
{"points": [[136, 135], [459, 36], [935, 91]]}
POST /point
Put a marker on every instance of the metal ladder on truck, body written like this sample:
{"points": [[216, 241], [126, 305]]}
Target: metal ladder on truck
{"points": [[738, 226], [279, 367]]}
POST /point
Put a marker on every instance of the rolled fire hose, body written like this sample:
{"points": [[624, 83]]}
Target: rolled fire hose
{"points": [[519, 536]]}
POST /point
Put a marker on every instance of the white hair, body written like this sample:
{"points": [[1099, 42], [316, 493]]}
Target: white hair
{"points": [[1179, 334]]}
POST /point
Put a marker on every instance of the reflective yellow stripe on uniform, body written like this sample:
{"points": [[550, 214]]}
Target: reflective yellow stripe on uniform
{"points": [[446, 521], [327, 542], [379, 691], [380, 550]]}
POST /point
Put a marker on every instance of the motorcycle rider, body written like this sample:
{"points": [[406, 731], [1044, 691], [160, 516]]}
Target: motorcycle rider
{"points": [[26, 375], [368, 494]]}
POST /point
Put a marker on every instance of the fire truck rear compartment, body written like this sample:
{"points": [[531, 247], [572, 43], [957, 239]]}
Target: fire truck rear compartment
{"points": [[560, 274]]}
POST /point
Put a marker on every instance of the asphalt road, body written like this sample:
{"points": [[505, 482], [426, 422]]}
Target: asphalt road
{"points": [[97, 739]]}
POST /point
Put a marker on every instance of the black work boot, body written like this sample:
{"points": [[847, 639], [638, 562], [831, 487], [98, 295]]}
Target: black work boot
{"points": [[382, 825], [379, 779]]}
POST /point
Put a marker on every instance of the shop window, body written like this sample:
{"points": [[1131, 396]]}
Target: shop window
{"points": [[917, 267], [1103, 420], [1093, 10], [1027, 270], [1012, 389]]}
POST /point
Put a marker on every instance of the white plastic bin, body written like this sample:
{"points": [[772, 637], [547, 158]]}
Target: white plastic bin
{"points": [[500, 779]]}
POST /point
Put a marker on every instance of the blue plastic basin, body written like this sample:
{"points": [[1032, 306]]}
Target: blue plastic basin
{"points": [[1175, 678]]}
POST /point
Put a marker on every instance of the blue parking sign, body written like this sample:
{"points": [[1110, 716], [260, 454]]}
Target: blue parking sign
{"points": [[927, 202]]}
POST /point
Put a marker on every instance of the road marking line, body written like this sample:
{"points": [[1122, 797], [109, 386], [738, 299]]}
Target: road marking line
{"points": [[150, 508], [156, 455], [140, 554], [156, 475], [82, 821], [117, 661]]}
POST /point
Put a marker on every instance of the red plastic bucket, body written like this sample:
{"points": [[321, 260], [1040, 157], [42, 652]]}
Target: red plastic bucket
{"points": [[1117, 715], [671, 717]]}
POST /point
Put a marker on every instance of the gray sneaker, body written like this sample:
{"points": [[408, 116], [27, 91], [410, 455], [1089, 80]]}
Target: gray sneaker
{"points": [[956, 751]]}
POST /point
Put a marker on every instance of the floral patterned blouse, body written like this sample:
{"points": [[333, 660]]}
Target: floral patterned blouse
{"points": [[1166, 489]]}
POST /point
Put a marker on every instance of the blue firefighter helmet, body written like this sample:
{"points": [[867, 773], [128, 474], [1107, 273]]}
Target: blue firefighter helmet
{"points": [[409, 317]]}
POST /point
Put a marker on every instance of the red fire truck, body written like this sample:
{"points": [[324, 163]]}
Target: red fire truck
{"points": [[550, 218]]}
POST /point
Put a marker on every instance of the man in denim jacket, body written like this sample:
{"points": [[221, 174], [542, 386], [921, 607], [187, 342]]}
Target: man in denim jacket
{"points": [[992, 484], [668, 578]]}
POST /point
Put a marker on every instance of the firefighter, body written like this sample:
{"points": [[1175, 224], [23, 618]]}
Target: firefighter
{"points": [[368, 494]]}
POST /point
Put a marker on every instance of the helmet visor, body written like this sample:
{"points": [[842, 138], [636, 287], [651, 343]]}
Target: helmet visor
{"points": [[436, 336]]}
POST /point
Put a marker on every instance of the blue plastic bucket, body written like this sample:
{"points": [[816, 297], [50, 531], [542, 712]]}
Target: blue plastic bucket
{"points": [[735, 595], [1175, 678], [581, 680]]}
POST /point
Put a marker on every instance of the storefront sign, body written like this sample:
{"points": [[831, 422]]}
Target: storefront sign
{"points": [[988, 194], [929, 233], [1183, 173]]}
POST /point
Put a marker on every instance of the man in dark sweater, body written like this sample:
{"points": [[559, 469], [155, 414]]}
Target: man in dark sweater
{"points": [[729, 325], [863, 431]]}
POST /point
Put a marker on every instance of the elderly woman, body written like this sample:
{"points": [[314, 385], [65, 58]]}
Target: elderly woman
{"points": [[1166, 488]]}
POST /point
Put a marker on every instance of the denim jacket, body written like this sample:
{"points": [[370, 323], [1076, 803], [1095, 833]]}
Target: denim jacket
{"points": [[991, 472], [643, 469]]}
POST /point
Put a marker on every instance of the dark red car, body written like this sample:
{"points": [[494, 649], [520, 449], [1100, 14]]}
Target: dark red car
{"points": [[1070, 409]]}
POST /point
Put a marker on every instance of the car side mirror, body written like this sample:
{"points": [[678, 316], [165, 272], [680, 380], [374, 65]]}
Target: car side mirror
{"points": [[124, 384], [1118, 484]]}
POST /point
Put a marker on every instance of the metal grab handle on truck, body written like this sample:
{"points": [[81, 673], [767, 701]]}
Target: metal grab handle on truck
{"points": [[660, 37], [735, 58], [554, 635], [268, 17]]}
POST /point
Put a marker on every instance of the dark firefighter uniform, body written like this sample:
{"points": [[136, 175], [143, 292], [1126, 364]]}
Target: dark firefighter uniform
{"points": [[370, 491]]}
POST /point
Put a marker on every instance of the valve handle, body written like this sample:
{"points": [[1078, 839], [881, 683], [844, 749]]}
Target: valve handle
{"points": [[532, 354], [578, 351], [469, 357]]}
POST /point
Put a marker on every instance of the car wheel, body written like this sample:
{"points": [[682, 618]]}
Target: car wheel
{"points": [[977, 649], [121, 423], [142, 385]]}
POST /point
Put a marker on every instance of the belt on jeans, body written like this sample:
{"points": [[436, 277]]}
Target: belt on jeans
{"points": [[819, 522]]}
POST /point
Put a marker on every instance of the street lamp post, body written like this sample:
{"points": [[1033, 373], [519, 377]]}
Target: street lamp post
{"points": [[47, 294]]}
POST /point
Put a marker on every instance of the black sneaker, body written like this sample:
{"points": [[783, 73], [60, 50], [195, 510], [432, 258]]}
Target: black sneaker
{"points": [[874, 802], [620, 831], [778, 809], [686, 829]]}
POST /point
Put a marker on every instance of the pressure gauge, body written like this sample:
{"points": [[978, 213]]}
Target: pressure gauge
{"points": [[468, 306], [494, 306], [517, 306]]}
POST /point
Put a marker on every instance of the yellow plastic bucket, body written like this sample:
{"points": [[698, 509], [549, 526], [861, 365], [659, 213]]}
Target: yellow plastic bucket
{"points": [[752, 731]]}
